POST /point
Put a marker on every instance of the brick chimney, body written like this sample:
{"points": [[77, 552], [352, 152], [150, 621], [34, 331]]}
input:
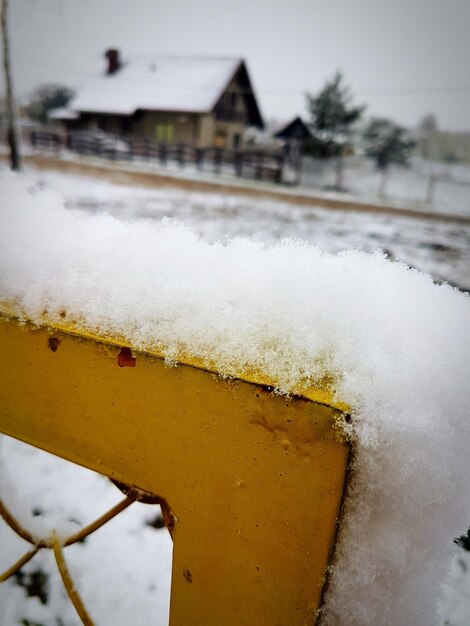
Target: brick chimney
{"points": [[114, 62]]}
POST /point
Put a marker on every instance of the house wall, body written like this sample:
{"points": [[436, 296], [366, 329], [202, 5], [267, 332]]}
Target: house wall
{"points": [[113, 124], [213, 132], [168, 127], [191, 129], [161, 126], [206, 131], [223, 127], [230, 117], [225, 134], [451, 146], [440, 145]]}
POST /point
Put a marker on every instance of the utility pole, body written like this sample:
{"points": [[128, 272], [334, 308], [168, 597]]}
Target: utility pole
{"points": [[12, 135]]}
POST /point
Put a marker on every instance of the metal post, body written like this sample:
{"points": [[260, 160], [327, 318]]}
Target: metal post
{"points": [[15, 160], [431, 188]]}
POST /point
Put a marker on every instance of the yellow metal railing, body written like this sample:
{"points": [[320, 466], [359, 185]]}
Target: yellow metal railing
{"points": [[255, 480]]}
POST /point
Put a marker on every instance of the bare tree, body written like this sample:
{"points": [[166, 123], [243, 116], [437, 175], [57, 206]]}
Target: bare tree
{"points": [[12, 136]]}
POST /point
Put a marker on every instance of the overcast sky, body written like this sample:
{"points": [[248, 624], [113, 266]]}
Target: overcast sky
{"points": [[403, 58]]}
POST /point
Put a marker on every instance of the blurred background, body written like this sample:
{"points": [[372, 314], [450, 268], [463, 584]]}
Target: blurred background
{"points": [[345, 124], [366, 98]]}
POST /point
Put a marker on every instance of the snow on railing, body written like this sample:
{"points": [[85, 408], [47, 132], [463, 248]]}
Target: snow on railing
{"points": [[394, 346]]}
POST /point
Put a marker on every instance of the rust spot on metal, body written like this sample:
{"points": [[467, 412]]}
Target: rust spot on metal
{"points": [[169, 518], [125, 358], [53, 343], [139, 495], [187, 574]]}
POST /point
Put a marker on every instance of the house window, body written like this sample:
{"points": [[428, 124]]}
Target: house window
{"points": [[126, 125], [219, 139], [228, 102], [164, 132], [226, 108]]}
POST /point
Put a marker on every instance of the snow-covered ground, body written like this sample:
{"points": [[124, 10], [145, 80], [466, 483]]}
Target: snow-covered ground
{"points": [[126, 564], [440, 248], [123, 567], [450, 193], [405, 187]]}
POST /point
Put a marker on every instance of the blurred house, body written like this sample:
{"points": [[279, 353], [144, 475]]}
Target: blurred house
{"points": [[200, 101], [295, 134], [440, 145], [277, 137], [294, 137]]}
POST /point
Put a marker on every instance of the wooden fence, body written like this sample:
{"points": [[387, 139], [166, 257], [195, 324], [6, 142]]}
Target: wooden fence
{"points": [[245, 163]]}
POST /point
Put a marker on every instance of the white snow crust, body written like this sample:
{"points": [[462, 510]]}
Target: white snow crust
{"points": [[397, 346]]}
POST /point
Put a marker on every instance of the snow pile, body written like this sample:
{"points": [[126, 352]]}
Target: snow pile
{"points": [[455, 604], [396, 345]]}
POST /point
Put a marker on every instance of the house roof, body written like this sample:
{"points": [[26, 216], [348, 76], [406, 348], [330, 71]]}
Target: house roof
{"points": [[186, 84], [62, 113], [296, 129]]}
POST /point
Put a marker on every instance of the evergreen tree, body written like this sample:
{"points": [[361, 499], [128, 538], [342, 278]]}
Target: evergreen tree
{"points": [[464, 541], [46, 98], [387, 142], [332, 116]]}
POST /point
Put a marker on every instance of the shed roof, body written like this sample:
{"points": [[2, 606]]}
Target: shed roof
{"points": [[296, 129], [62, 113]]}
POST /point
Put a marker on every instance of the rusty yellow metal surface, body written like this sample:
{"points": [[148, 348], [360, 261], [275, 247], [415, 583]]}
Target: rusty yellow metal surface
{"points": [[254, 479]]}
